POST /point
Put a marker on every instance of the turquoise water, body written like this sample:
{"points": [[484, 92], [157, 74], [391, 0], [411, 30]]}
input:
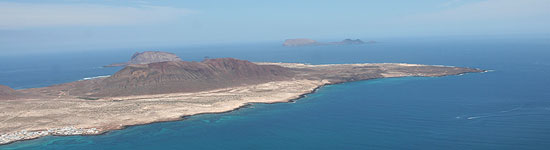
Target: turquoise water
{"points": [[507, 108]]}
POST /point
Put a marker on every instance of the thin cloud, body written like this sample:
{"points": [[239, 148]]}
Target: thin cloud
{"points": [[494, 10], [26, 15]]}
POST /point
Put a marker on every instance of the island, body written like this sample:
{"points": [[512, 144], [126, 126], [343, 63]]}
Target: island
{"points": [[300, 42], [148, 57], [170, 90], [348, 42], [310, 42]]}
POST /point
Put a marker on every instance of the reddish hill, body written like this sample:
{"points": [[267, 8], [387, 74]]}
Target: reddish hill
{"points": [[180, 76], [8, 93]]}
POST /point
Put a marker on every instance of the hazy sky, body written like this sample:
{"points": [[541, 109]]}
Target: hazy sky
{"points": [[40, 25]]}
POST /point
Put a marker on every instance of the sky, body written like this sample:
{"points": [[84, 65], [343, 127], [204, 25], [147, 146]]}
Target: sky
{"points": [[58, 25]]}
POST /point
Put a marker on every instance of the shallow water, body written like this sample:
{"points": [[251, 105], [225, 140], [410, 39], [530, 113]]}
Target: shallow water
{"points": [[507, 108]]}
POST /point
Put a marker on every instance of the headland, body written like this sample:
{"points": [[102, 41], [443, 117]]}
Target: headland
{"points": [[169, 90]]}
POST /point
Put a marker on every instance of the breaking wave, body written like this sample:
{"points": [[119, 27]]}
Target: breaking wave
{"points": [[496, 114], [96, 77]]}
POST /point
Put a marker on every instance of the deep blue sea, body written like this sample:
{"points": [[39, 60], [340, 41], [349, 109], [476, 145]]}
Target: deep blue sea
{"points": [[505, 109]]}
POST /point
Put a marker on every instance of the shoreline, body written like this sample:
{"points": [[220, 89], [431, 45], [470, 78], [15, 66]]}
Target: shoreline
{"points": [[183, 117], [226, 107]]}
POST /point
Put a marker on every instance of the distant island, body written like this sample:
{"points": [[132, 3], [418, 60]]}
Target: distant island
{"points": [[143, 92], [309, 42], [299, 42], [148, 57]]}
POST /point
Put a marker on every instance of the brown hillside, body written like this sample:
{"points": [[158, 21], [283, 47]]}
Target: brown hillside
{"points": [[180, 76], [8, 93]]}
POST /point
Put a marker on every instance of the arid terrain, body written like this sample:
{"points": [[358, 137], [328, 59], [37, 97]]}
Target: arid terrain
{"points": [[166, 91]]}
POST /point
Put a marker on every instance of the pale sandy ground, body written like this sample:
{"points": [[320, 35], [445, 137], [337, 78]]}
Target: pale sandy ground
{"points": [[115, 113], [19, 117]]}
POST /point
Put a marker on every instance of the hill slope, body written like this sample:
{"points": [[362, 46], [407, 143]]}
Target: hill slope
{"points": [[180, 76], [7, 93], [148, 57]]}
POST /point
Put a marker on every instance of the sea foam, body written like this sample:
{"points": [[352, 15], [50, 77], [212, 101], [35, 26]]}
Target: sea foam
{"points": [[96, 77]]}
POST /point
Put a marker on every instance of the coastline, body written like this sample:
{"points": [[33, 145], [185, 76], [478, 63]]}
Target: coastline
{"points": [[102, 131], [179, 106], [183, 117]]}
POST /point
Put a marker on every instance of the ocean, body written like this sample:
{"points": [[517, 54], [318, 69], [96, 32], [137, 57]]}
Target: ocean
{"points": [[506, 108]]}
